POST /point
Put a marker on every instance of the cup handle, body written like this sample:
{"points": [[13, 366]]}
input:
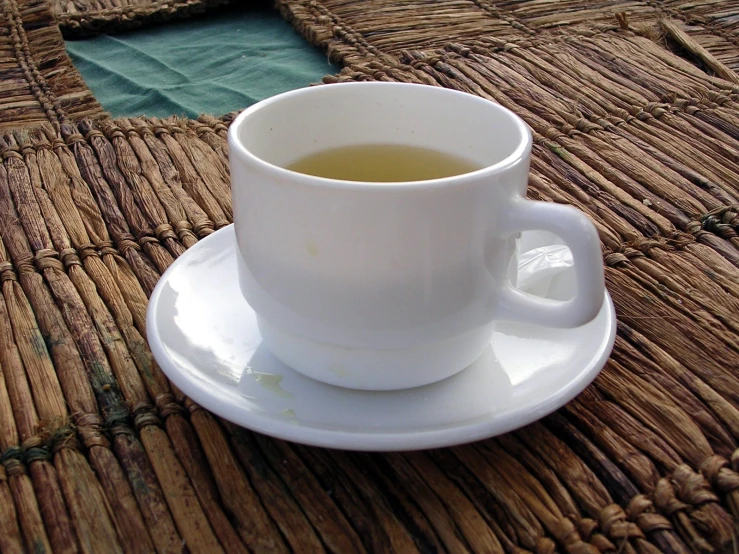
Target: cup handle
{"points": [[580, 235]]}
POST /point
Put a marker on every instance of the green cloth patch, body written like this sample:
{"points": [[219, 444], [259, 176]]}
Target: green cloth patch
{"points": [[214, 64]]}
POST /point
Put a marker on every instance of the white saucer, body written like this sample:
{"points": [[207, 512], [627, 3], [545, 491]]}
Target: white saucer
{"points": [[204, 336]]}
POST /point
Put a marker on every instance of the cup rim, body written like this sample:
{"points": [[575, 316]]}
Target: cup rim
{"points": [[521, 151]]}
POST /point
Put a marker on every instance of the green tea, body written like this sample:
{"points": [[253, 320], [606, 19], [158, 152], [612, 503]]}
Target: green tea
{"points": [[382, 163]]}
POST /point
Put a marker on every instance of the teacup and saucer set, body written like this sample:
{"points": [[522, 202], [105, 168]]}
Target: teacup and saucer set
{"points": [[384, 315]]}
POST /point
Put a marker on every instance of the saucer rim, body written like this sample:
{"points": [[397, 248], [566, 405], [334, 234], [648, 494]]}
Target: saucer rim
{"points": [[485, 426]]}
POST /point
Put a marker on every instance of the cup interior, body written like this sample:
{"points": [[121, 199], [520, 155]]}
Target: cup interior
{"points": [[293, 125]]}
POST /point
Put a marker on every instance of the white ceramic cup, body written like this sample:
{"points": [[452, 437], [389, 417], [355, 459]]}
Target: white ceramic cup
{"points": [[392, 285]]}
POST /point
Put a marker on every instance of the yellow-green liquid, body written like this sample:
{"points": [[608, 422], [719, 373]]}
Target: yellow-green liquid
{"points": [[382, 163]]}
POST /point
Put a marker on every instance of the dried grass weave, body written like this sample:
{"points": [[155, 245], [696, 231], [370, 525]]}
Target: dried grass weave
{"points": [[88, 17], [100, 453]]}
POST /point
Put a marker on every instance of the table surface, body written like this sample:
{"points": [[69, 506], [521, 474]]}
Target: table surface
{"points": [[215, 64]]}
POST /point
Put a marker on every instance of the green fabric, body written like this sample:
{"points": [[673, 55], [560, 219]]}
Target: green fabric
{"points": [[213, 64]]}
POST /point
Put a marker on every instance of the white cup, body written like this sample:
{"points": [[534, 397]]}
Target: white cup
{"points": [[392, 285]]}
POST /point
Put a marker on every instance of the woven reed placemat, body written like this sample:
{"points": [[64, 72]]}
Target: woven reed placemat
{"points": [[99, 453], [89, 17], [38, 82]]}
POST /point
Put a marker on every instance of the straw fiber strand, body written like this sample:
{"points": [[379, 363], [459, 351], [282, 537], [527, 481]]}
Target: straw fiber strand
{"points": [[635, 121]]}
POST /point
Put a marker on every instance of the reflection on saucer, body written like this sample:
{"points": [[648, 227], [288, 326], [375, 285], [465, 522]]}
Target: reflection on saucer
{"points": [[483, 386], [547, 350], [204, 336]]}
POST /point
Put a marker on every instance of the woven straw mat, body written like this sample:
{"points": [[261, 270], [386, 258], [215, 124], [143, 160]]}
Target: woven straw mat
{"points": [[88, 17], [636, 122]]}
